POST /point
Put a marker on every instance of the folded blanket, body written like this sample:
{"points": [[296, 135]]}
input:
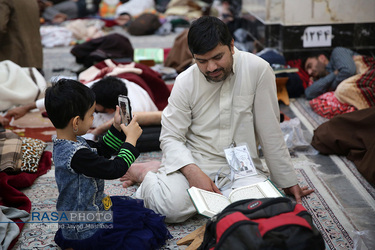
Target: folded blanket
{"points": [[10, 152], [9, 230], [359, 90], [10, 196], [327, 105], [354, 93]]}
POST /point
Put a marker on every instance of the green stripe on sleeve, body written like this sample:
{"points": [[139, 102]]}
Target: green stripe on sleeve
{"points": [[112, 141], [118, 141], [109, 143], [129, 153], [127, 156]]}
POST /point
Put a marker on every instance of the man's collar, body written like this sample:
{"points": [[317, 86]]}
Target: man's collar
{"points": [[236, 52]]}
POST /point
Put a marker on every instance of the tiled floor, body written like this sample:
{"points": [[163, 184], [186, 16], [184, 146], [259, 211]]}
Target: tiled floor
{"points": [[355, 202]]}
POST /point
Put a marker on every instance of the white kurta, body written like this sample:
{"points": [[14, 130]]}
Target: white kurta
{"points": [[202, 118]]}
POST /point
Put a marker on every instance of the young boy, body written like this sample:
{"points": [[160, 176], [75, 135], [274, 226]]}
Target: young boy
{"points": [[82, 166]]}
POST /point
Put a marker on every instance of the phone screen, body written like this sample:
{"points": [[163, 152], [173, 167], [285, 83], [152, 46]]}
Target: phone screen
{"points": [[125, 109]]}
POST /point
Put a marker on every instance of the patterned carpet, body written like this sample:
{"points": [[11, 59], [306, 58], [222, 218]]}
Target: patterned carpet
{"points": [[311, 120], [327, 215], [347, 188], [342, 206]]}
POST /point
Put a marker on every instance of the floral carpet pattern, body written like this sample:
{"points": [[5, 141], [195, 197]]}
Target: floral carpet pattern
{"points": [[337, 226], [302, 107], [329, 222]]}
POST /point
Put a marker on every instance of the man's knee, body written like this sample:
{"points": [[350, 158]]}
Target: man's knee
{"points": [[169, 200], [176, 207], [179, 212]]}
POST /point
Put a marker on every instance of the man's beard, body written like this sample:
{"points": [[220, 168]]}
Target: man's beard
{"points": [[224, 76]]}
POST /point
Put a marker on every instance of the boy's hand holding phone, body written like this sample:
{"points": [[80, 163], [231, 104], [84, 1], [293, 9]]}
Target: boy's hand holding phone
{"points": [[127, 122], [133, 131], [117, 119]]}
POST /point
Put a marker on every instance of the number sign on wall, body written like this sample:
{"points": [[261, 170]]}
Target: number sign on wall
{"points": [[317, 36]]}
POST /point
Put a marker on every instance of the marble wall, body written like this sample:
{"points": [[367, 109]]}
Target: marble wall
{"points": [[311, 12], [296, 27]]}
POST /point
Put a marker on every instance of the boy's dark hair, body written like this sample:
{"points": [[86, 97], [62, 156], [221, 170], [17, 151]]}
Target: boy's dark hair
{"points": [[66, 99], [206, 33], [107, 91]]}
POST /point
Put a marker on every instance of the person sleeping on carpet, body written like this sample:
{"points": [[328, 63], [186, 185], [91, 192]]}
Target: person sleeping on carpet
{"points": [[327, 73], [81, 166], [107, 91]]}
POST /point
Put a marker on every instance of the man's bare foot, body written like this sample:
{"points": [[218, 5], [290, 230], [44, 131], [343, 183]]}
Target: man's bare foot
{"points": [[138, 171]]}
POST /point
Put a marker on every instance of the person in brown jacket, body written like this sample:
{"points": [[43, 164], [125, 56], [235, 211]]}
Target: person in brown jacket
{"points": [[20, 39]]}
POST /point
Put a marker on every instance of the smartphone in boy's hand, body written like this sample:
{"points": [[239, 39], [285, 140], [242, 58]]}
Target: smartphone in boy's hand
{"points": [[125, 109]]}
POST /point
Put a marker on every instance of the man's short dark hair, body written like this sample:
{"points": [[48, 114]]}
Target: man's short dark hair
{"points": [[312, 54], [107, 91], [67, 99], [206, 33]]}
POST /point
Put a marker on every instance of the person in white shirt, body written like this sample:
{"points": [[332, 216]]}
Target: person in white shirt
{"points": [[107, 90], [228, 97]]}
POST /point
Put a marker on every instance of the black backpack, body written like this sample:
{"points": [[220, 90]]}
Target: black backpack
{"points": [[268, 223]]}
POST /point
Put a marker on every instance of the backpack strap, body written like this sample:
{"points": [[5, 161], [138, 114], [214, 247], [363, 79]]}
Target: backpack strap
{"points": [[290, 218], [228, 221]]}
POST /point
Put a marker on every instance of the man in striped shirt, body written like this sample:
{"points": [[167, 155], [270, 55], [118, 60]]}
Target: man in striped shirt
{"points": [[328, 73]]}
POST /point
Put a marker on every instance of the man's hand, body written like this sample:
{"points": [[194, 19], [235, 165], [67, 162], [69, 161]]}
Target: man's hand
{"points": [[4, 121], [197, 178], [102, 128], [298, 192], [18, 112]]}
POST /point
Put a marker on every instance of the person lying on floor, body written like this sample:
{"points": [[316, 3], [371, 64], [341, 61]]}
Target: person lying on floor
{"points": [[328, 73], [107, 91], [81, 168], [228, 97], [58, 11], [352, 135]]}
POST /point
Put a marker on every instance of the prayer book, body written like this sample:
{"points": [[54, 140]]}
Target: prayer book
{"points": [[209, 203], [279, 68]]}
